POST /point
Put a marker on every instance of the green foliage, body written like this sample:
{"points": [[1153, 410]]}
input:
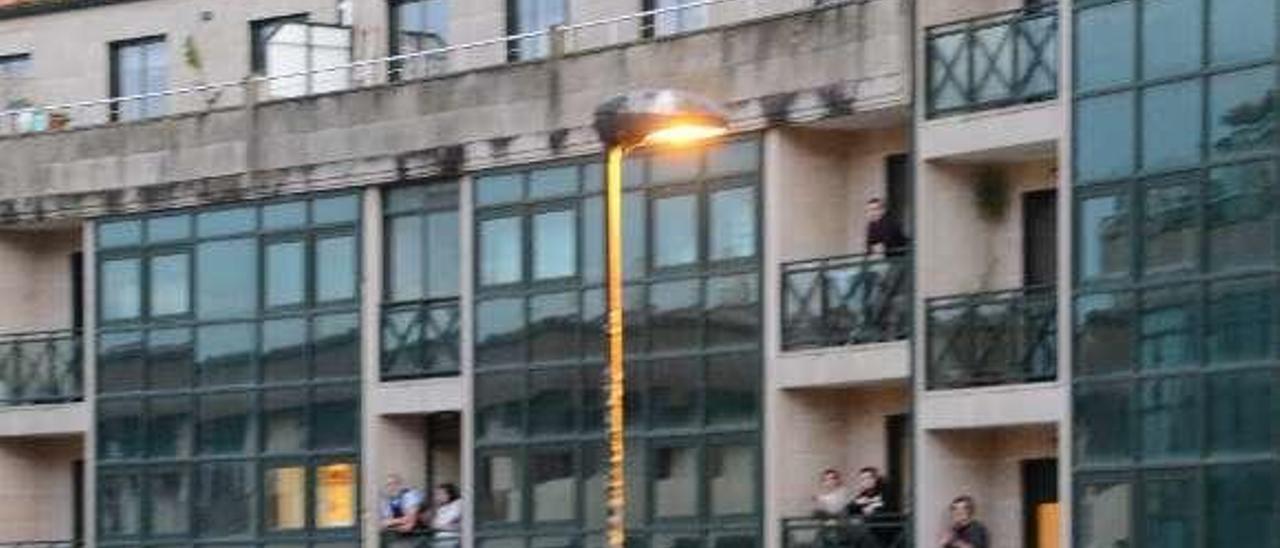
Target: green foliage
{"points": [[191, 54]]}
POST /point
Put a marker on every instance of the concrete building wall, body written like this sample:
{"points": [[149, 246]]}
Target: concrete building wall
{"points": [[37, 487], [36, 279]]}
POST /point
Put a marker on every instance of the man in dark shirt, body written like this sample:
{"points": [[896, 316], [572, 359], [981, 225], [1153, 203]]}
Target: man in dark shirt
{"points": [[965, 532], [884, 237]]}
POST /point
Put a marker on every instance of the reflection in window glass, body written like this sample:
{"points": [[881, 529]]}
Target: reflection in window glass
{"points": [[1242, 111], [443, 255], [168, 229], [1240, 30], [1102, 423], [1244, 409], [733, 315], [226, 278], [675, 315], [336, 345], [635, 240], [675, 481], [551, 478], [1171, 38], [592, 234], [499, 405], [335, 495], [124, 300], [500, 331], [170, 359], [1104, 45], [555, 245], [1168, 519], [286, 495], [1171, 228], [120, 362], [119, 234], [553, 326], [406, 248], [120, 429], [284, 420], [224, 353], [733, 223], [500, 251], [1242, 320], [1168, 410], [283, 351], [556, 181], [732, 392], [1105, 242], [1104, 333], [499, 189], [224, 498], [734, 157], [731, 475], [285, 274], [1241, 505], [284, 216], [336, 209], [1104, 136], [673, 393], [1239, 210], [119, 504], [552, 393], [227, 221], [224, 423], [336, 269], [169, 489], [170, 427], [1169, 328], [169, 285], [335, 413], [675, 165], [1171, 124], [675, 233], [1103, 514], [499, 484]]}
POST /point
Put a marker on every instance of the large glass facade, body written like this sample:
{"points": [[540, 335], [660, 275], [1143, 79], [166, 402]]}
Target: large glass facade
{"points": [[228, 375], [693, 351], [1177, 301]]}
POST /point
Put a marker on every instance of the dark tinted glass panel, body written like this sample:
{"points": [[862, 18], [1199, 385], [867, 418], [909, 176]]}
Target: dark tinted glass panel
{"points": [[733, 313], [1105, 45], [120, 429], [124, 301], [593, 323], [500, 485], [170, 491], [168, 229], [336, 345], [1169, 325], [675, 231], [335, 416], [675, 315], [635, 240], [1242, 505], [556, 181], [286, 274], [284, 350], [1105, 244], [1104, 137], [119, 504], [674, 388], [551, 478], [731, 479], [675, 477], [1171, 37], [1242, 320], [170, 359], [338, 209], [499, 189], [500, 331], [1242, 111], [119, 234], [406, 262], [593, 397], [501, 246], [592, 233], [226, 279], [594, 468], [1103, 514], [120, 362], [552, 397], [1168, 516], [733, 223], [1243, 411], [284, 216], [555, 245], [1105, 333], [733, 387], [443, 255], [284, 420], [336, 268], [553, 323], [224, 423], [499, 405], [224, 498], [1102, 414], [225, 222], [676, 540], [1171, 123], [1240, 216], [1168, 411], [170, 285], [170, 427], [1240, 30], [224, 353]]}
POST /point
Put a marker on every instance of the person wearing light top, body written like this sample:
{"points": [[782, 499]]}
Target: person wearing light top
{"points": [[401, 505], [446, 513], [833, 496]]}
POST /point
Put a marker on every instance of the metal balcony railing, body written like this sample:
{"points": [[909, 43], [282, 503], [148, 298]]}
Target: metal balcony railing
{"points": [[420, 340], [846, 300], [40, 368], [886, 531], [419, 539], [985, 339], [43, 544], [992, 61]]}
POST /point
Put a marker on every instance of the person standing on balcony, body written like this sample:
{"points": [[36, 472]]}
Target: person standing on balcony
{"points": [[401, 505], [965, 532], [869, 499], [832, 499], [446, 512], [884, 236]]}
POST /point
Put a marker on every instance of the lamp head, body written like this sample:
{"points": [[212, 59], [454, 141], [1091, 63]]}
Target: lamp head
{"points": [[658, 116]]}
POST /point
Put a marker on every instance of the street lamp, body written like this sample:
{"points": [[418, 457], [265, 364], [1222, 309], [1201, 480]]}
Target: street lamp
{"points": [[649, 117]]}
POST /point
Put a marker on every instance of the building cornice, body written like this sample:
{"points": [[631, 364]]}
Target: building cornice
{"points": [[26, 8]]}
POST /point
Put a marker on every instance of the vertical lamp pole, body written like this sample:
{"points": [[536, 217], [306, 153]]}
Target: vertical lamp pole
{"points": [[649, 117]]}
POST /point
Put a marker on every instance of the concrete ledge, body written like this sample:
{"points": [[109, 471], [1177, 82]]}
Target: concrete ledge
{"points": [[44, 420], [1022, 404], [416, 397], [1020, 132], [842, 365]]}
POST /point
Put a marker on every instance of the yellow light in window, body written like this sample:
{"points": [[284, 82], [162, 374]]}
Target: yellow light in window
{"points": [[287, 498], [336, 495]]}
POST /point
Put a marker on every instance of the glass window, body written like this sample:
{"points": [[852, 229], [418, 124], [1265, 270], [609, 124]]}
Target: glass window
{"points": [[170, 427], [556, 181], [168, 229], [419, 25], [594, 473], [551, 478], [731, 478], [139, 67], [1242, 320], [1168, 515], [224, 498], [1102, 423], [1241, 505], [499, 189], [406, 261], [733, 388], [592, 234], [1105, 237], [635, 240], [261, 34], [675, 234], [226, 222], [1171, 124], [224, 353], [499, 484], [119, 234], [1104, 136], [224, 423], [688, 16], [286, 496], [443, 255], [1240, 30], [733, 223], [555, 245], [284, 215], [335, 416], [1243, 411], [1240, 211], [553, 326], [284, 420], [733, 312], [1171, 38], [1168, 410], [1103, 514], [675, 315], [553, 394], [500, 402], [336, 209], [170, 287], [335, 495], [120, 362], [120, 429], [500, 331], [675, 481], [336, 272], [119, 504], [734, 157], [673, 393], [284, 350], [336, 345], [1242, 111], [169, 490], [676, 165], [530, 16], [124, 301], [1105, 45], [226, 279], [170, 359], [501, 249], [286, 274], [1169, 327]]}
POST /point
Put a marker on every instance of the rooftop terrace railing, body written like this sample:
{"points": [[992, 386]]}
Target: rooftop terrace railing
{"points": [[846, 300], [40, 368], [985, 339], [992, 61], [886, 531], [687, 18]]}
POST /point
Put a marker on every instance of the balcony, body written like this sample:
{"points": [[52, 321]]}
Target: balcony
{"points": [[40, 368], [420, 340], [846, 300], [989, 339], [888, 531], [993, 61]]}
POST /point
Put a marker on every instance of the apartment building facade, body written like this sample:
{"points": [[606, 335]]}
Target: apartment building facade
{"points": [[261, 255]]}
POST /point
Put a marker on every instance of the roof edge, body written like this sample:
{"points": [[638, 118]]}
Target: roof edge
{"points": [[28, 8]]}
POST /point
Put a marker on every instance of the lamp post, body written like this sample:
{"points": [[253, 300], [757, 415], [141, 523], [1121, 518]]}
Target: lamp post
{"points": [[648, 117]]}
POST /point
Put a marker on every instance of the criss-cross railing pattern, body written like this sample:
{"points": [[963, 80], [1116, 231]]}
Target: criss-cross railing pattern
{"points": [[993, 61], [851, 299], [984, 339], [420, 339], [885, 531], [38, 368]]}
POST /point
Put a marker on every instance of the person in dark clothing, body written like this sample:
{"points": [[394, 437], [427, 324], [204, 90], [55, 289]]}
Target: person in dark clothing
{"points": [[965, 532], [869, 498], [884, 237]]}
